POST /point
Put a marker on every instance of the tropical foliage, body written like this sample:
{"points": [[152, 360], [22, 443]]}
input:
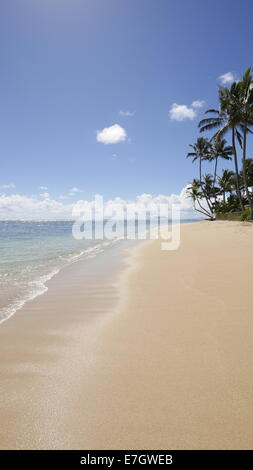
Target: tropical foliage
{"points": [[230, 191]]}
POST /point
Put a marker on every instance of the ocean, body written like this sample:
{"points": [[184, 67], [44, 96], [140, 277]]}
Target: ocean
{"points": [[32, 252]]}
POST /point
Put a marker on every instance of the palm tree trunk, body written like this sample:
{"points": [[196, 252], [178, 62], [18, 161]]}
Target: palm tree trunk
{"points": [[236, 169], [224, 197], [208, 201], [215, 171], [200, 177], [244, 171], [214, 178], [202, 211]]}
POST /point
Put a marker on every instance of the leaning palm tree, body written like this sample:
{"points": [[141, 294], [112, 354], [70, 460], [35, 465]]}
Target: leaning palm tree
{"points": [[195, 193], [226, 118], [201, 152]]}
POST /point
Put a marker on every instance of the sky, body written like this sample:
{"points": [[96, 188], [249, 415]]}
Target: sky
{"points": [[104, 96]]}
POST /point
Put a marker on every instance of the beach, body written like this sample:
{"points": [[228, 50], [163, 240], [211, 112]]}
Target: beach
{"points": [[153, 350]]}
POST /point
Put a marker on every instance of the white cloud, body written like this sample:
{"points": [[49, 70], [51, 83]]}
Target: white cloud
{"points": [[126, 113], [45, 195], [112, 135], [114, 156], [7, 186], [198, 104], [43, 188], [180, 112], [18, 206], [74, 191], [141, 201], [226, 78]]}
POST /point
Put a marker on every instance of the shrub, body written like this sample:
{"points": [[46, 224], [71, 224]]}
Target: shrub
{"points": [[246, 215]]}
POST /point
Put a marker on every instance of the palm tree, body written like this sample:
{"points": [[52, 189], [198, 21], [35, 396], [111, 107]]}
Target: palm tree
{"points": [[209, 191], [249, 171], [219, 149], [195, 193], [201, 152], [227, 117], [226, 182], [246, 107]]}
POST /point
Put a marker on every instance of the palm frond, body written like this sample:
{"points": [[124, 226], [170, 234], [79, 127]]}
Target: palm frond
{"points": [[209, 127], [239, 137], [215, 111]]}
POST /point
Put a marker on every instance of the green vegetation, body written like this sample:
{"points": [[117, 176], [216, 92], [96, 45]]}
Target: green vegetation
{"points": [[232, 191]]}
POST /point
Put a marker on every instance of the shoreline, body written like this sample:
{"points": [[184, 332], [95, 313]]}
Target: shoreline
{"points": [[47, 336], [41, 282], [164, 363], [14, 299]]}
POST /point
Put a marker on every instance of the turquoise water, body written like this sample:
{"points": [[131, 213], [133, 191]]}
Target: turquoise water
{"points": [[31, 253]]}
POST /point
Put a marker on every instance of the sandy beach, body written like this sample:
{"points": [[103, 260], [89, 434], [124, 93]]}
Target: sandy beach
{"points": [[155, 352]]}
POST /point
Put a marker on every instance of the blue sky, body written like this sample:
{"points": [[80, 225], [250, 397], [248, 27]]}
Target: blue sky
{"points": [[68, 67]]}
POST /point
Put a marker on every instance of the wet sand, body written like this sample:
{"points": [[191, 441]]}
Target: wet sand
{"points": [[154, 352]]}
